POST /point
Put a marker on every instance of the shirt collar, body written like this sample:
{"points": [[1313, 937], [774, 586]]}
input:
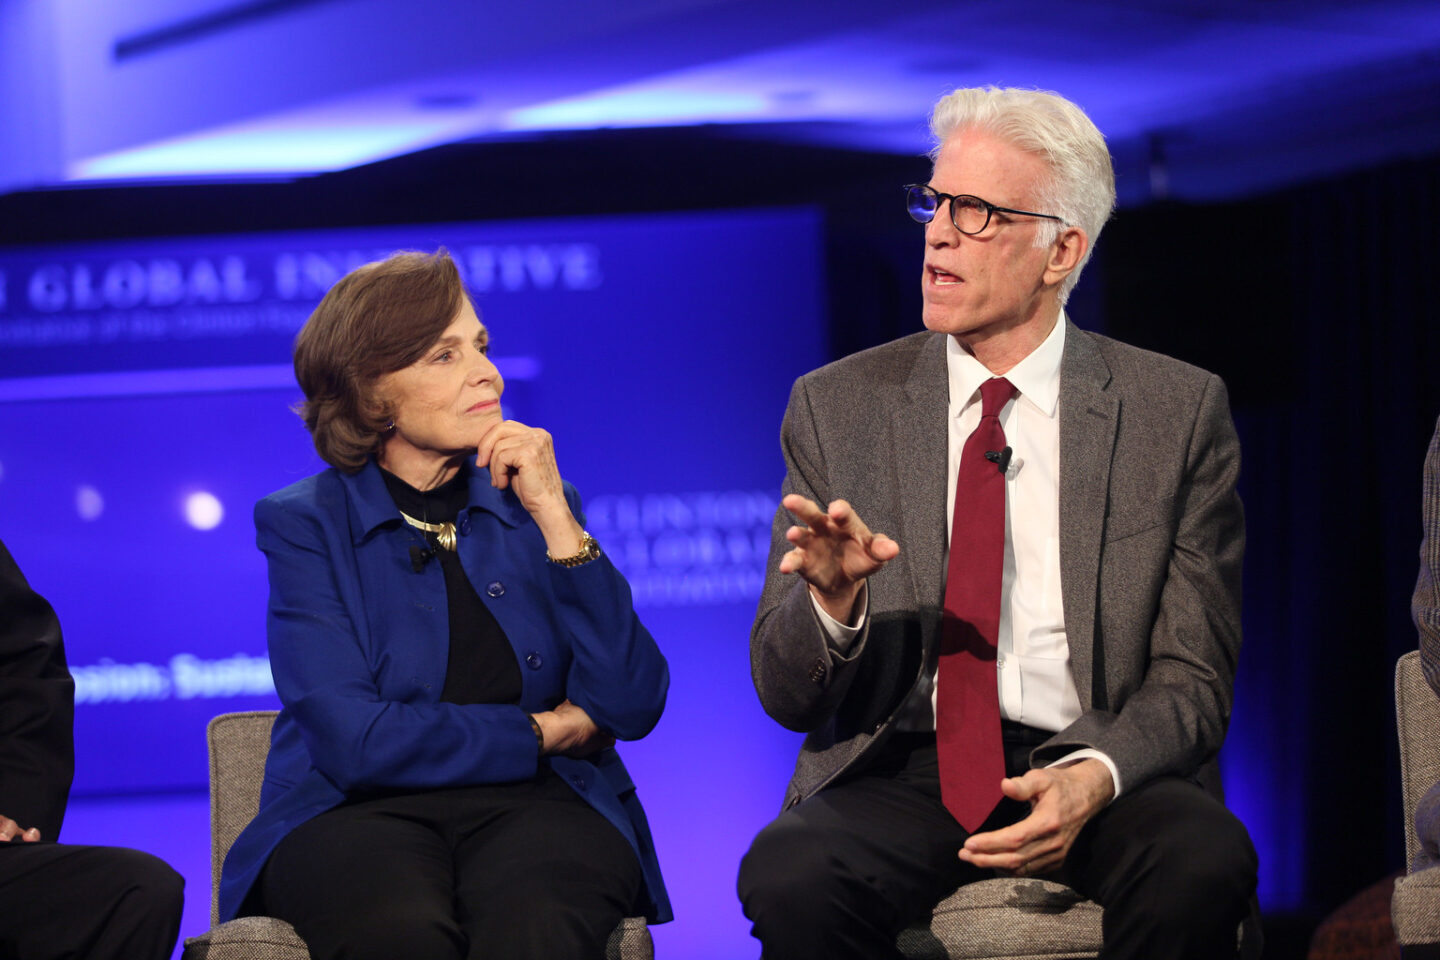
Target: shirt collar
{"points": [[374, 505], [1036, 378]]}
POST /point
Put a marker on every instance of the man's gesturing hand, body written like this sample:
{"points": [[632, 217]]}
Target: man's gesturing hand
{"points": [[834, 552], [1062, 800]]}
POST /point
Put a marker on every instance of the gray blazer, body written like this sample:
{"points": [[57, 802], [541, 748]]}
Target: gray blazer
{"points": [[1425, 608], [1151, 540], [1425, 603]]}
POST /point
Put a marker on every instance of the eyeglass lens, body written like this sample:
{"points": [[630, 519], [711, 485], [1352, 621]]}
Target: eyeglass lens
{"points": [[968, 214], [921, 203]]}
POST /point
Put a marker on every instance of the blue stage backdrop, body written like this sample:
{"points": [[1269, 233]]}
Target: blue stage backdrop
{"points": [[146, 391]]}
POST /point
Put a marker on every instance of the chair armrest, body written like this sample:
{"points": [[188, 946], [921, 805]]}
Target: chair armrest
{"points": [[247, 938], [1415, 908]]}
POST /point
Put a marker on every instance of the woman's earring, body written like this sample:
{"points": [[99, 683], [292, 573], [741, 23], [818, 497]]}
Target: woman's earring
{"points": [[389, 424]]}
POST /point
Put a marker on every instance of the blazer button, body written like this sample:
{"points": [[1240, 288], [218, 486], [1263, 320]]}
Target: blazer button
{"points": [[817, 671], [579, 781], [495, 589], [534, 661]]}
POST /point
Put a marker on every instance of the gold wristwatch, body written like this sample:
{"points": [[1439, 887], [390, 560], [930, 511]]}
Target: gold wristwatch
{"points": [[589, 550]]}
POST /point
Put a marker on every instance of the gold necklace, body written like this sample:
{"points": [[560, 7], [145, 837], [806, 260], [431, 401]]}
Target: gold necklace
{"points": [[444, 532]]}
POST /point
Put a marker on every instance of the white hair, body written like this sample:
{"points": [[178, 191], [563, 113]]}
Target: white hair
{"points": [[1081, 186]]}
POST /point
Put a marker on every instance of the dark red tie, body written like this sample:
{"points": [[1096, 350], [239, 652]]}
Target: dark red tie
{"points": [[967, 708]]}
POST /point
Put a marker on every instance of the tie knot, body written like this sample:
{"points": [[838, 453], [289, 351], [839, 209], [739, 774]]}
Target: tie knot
{"points": [[994, 394]]}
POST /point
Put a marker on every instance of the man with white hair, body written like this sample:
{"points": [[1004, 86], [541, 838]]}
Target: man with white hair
{"points": [[1031, 670]]}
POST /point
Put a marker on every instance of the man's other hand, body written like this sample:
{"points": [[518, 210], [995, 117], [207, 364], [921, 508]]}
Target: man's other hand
{"points": [[834, 552], [10, 830], [1062, 800]]}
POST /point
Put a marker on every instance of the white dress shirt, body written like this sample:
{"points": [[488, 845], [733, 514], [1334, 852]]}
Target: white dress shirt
{"points": [[1036, 685]]}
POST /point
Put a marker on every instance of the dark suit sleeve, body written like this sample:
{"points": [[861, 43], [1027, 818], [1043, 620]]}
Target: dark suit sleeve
{"points": [[1425, 605], [37, 705], [1175, 721], [799, 677]]}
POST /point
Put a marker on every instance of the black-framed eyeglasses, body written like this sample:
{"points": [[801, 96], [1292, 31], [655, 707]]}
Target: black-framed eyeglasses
{"points": [[970, 214]]}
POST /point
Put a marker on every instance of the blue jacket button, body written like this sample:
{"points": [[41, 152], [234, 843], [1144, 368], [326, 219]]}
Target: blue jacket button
{"points": [[534, 661], [578, 780], [495, 589]]}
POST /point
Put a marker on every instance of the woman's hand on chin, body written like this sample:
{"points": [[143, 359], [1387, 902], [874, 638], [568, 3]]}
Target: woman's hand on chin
{"points": [[522, 459], [569, 732]]}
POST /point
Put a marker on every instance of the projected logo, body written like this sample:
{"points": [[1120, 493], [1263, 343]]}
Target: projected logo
{"points": [[687, 549], [211, 294], [184, 677]]}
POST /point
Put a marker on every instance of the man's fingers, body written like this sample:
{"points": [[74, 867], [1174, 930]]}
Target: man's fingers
{"points": [[31, 835], [1010, 861], [839, 518], [1044, 863], [793, 561], [1024, 788], [1031, 856], [1005, 840], [882, 548], [1038, 844], [8, 828], [847, 521], [806, 511], [834, 549], [842, 513]]}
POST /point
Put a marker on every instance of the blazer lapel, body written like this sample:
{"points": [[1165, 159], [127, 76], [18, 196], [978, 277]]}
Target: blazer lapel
{"points": [[1089, 418], [919, 462]]}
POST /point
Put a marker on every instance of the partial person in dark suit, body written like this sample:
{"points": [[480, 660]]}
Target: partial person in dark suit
{"points": [[1056, 591], [455, 657], [61, 900], [1425, 609]]}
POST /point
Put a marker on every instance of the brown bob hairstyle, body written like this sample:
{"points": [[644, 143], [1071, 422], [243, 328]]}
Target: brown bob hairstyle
{"points": [[378, 318]]}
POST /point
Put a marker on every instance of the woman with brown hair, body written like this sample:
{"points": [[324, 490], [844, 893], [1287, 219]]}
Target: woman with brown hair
{"points": [[455, 657]]}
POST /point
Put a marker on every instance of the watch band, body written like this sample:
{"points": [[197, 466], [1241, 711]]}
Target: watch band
{"points": [[589, 550]]}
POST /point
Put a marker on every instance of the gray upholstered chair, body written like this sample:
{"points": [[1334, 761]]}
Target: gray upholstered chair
{"points": [[1009, 919], [238, 743], [1415, 905], [1024, 919]]}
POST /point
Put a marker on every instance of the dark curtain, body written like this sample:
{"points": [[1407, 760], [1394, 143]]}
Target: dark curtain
{"points": [[1317, 307]]}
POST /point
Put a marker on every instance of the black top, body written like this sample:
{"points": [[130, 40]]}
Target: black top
{"points": [[481, 667]]}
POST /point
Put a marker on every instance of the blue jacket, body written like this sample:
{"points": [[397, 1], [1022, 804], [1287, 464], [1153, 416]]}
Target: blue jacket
{"points": [[359, 642]]}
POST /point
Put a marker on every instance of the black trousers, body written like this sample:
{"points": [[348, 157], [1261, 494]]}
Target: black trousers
{"points": [[522, 870], [841, 874], [86, 903]]}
